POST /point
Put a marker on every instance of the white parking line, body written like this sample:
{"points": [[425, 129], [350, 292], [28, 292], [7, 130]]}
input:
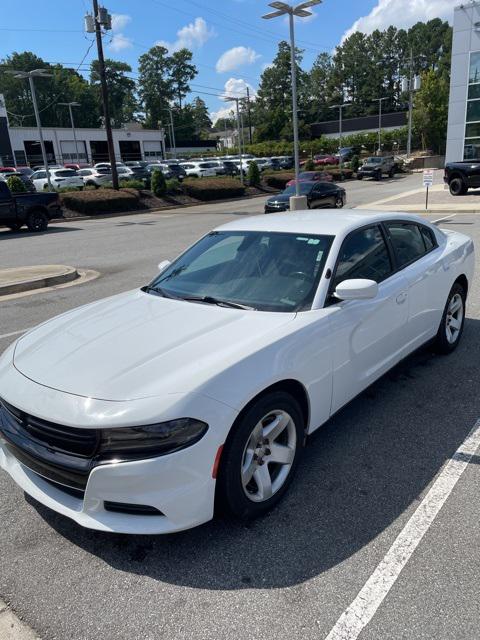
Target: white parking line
{"points": [[13, 333], [357, 616], [454, 215]]}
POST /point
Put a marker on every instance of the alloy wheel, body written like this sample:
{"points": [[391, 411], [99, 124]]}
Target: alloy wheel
{"points": [[268, 456], [454, 318]]}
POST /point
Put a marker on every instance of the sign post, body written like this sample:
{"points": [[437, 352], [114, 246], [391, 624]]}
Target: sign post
{"points": [[427, 183]]}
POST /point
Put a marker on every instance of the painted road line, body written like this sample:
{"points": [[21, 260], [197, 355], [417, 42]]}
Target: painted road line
{"points": [[445, 218], [357, 616], [13, 333]]}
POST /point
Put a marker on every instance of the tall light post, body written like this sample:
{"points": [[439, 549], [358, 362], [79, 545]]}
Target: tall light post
{"points": [[340, 107], [301, 11], [70, 105], [172, 128], [410, 85], [237, 102], [379, 100], [30, 75]]}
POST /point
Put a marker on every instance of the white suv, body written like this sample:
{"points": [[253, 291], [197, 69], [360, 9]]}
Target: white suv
{"points": [[59, 179], [94, 178], [200, 169]]}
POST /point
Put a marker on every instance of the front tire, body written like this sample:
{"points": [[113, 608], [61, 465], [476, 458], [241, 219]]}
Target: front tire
{"points": [[260, 456], [37, 221], [339, 202], [457, 187], [453, 320]]}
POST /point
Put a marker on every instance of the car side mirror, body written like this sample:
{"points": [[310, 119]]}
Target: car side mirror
{"points": [[356, 289], [163, 265]]}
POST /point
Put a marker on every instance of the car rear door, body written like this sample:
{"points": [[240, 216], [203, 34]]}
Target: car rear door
{"points": [[322, 195], [8, 210], [369, 335], [418, 257]]}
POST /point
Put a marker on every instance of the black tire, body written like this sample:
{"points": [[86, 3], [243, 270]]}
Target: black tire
{"points": [[37, 221], [378, 176], [231, 495], [442, 342], [359, 176], [391, 173], [339, 202], [457, 186]]}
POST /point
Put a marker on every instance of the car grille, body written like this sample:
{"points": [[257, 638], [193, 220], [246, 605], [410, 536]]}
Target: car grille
{"points": [[64, 455]]}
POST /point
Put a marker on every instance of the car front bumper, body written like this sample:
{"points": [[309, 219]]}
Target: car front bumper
{"points": [[276, 208], [179, 485]]}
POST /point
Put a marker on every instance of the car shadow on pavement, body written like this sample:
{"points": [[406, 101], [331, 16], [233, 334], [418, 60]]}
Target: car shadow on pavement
{"points": [[5, 234], [366, 469]]}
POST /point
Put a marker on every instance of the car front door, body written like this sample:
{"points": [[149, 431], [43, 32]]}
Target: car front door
{"points": [[321, 196], [8, 211], [369, 335]]}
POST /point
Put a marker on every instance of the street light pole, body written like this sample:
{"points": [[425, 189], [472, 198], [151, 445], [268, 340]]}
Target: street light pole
{"points": [[340, 107], [379, 100], [173, 135], [410, 106], [70, 105], [237, 101], [301, 11]]}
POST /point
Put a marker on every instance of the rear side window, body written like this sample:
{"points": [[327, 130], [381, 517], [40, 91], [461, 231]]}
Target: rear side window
{"points": [[67, 173], [428, 238], [407, 242], [364, 254]]}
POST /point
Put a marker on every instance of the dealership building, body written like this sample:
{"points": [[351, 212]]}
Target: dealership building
{"points": [[463, 137]]}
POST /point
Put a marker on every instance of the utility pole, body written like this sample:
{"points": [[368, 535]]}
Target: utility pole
{"points": [[70, 105], [249, 116], [410, 106], [237, 100], [379, 100], [340, 107], [103, 82], [173, 135]]}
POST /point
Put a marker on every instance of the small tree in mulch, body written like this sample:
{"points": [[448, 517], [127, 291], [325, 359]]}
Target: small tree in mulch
{"points": [[310, 165], [253, 175], [159, 184]]}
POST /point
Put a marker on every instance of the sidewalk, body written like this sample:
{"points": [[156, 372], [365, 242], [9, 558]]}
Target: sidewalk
{"points": [[439, 201]]}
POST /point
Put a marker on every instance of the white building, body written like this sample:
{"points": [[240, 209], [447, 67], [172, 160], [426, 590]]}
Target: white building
{"points": [[463, 137]]}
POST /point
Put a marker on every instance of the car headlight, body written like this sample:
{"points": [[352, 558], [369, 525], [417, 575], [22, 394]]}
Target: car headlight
{"points": [[129, 443]]}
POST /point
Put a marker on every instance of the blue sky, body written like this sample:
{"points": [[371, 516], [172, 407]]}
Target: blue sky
{"points": [[230, 41]]}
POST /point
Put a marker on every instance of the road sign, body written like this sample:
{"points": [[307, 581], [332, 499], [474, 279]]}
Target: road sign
{"points": [[428, 177]]}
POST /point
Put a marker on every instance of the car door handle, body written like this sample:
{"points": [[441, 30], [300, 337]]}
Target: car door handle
{"points": [[401, 298]]}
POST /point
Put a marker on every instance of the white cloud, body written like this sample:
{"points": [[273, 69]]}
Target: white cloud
{"points": [[235, 88], [235, 58], [225, 112], [119, 42], [401, 13], [120, 21], [191, 36]]}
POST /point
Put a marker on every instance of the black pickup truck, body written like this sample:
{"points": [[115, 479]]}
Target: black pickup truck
{"points": [[33, 209], [462, 176]]}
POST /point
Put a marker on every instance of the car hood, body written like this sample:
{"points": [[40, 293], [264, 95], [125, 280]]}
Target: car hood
{"points": [[279, 198], [137, 345]]}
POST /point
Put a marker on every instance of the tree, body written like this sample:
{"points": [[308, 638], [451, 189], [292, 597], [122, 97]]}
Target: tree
{"points": [[430, 115], [201, 118], [182, 72], [253, 174], [156, 88], [225, 123], [121, 90]]}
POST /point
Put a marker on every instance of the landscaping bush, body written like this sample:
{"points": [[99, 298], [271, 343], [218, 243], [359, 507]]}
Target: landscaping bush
{"points": [[338, 175], [253, 174], [134, 183], [355, 163], [101, 200], [173, 186], [213, 188], [158, 182], [278, 180], [310, 165], [15, 185]]}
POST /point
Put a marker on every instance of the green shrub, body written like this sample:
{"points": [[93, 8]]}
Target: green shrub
{"points": [[253, 174], [173, 186], [101, 201], [159, 185], [310, 165], [278, 180], [133, 183], [344, 174], [213, 188], [354, 163], [16, 185]]}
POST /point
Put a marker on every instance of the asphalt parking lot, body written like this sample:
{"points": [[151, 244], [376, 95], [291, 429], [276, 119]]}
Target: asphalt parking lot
{"points": [[295, 572]]}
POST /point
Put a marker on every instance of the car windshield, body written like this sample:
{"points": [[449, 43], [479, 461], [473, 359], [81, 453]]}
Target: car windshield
{"points": [[373, 160], [305, 188], [66, 173], [265, 271]]}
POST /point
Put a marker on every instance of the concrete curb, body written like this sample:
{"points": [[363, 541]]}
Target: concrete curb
{"points": [[84, 275], [12, 628], [20, 280]]}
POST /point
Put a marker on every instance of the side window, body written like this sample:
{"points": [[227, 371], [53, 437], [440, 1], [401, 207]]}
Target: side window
{"points": [[40, 174], [364, 254], [407, 242], [428, 238]]}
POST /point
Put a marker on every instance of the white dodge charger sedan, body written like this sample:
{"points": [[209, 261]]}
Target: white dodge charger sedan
{"points": [[143, 412]]}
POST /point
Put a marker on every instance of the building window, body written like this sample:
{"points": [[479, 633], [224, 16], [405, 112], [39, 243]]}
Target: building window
{"points": [[472, 124]]}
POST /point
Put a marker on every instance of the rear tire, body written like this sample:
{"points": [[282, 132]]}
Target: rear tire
{"points": [[250, 481], [391, 173], [359, 177], [378, 176], [457, 187], [453, 320], [37, 221]]}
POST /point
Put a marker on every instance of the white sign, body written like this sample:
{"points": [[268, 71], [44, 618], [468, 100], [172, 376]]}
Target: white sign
{"points": [[428, 177], [3, 111]]}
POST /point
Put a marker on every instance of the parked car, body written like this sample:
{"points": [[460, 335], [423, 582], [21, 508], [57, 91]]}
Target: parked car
{"points": [[28, 184], [347, 153], [26, 171], [32, 209], [200, 169], [164, 168], [107, 165], [376, 167], [94, 177], [76, 166], [231, 169], [59, 178], [312, 176], [7, 169], [263, 163], [177, 170], [104, 419], [325, 159], [462, 176], [286, 162], [319, 195], [41, 167], [275, 164], [138, 169]]}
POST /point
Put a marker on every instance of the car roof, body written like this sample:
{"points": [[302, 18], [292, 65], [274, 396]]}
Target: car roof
{"points": [[317, 222]]}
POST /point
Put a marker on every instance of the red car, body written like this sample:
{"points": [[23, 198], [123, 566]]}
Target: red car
{"points": [[325, 159], [7, 169], [312, 176]]}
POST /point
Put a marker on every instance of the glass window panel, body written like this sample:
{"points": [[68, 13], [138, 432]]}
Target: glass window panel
{"points": [[473, 91], [363, 255], [472, 130], [407, 242], [474, 67], [472, 149], [473, 111]]}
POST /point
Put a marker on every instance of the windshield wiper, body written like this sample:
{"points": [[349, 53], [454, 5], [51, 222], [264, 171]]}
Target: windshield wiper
{"points": [[159, 291], [219, 302]]}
